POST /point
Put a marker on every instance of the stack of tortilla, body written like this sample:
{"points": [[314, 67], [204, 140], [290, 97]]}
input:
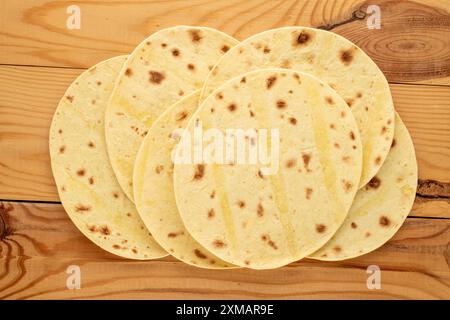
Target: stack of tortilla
{"points": [[228, 154]]}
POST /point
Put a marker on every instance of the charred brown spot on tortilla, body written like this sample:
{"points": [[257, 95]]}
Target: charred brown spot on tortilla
{"points": [[128, 214], [99, 83], [378, 160], [393, 143], [174, 234], [212, 110], [91, 180], [128, 72], [383, 130], [303, 38], [82, 208], [368, 234], [259, 210], [81, 172], [159, 169], [332, 126], [213, 194], [61, 149], [232, 107], [354, 225], [352, 135], [191, 67], [346, 56], [247, 262], [286, 64], [219, 96], [241, 204], [308, 193], [91, 144], [243, 80], [267, 239], [346, 159], [347, 185], [349, 102], [320, 228], [92, 228], [115, 195], [211, 214], [252, 114], [329, 100], [219, 243], [63, 188], [199, 254], [180, 93], [134, 251], [359, 94], [384, 221], [199, 171], [271, 81], [337, 249], [266, 50], [60, 131], [163, 45], [281, 104], [296, 76], [290, 163], [260, 174], [175, 52], [306, 159], [374, 183], [343, 114], [70, 98], [116, 246], [292, 121], [105, 230], [195, 35], [156, 77], [181, 115], [337, 145], [225, 48]]}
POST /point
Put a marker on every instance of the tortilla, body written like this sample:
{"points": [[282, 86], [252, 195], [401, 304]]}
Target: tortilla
{"points": [[166, 66], [245, 213], [381, 207], [86, 183], [336, 61], [153, 187]]}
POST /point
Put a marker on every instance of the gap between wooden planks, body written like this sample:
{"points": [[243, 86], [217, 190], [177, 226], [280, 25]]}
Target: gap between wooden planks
{"points": [[29, 96], [41, 242]]}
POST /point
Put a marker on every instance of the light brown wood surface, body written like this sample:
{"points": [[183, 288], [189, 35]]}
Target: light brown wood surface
{"points": [[40, 57]]}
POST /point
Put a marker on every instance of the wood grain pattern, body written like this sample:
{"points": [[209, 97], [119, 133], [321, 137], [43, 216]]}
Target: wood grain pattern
{"points": [[412, 45], [25, 121], [41, 242]]}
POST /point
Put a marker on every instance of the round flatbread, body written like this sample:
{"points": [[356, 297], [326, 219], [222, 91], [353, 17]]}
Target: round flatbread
{"points": [[168, 65], [86, 183], [381, 207], [153, 187], [336, 61], [267, 213]]}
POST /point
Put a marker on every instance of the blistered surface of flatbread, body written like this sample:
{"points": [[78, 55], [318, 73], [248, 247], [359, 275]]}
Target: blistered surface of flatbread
{"points": [[336, 61], [265, 221], [162, 69], [381, 207], [153, 187], [86, 182]]}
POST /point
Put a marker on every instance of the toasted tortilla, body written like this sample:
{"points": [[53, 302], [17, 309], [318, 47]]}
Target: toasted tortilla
{"points": [[253, 217], [165, 67], [153, 187], [381, 207], [86, 183], [336, 61]]}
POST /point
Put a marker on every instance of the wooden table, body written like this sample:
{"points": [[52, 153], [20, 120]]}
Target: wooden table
{"points": [[40, 57]]}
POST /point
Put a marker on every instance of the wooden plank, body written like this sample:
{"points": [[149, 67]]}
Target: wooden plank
{"points": [[29, 95], [41, 242], [411, 46]]}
